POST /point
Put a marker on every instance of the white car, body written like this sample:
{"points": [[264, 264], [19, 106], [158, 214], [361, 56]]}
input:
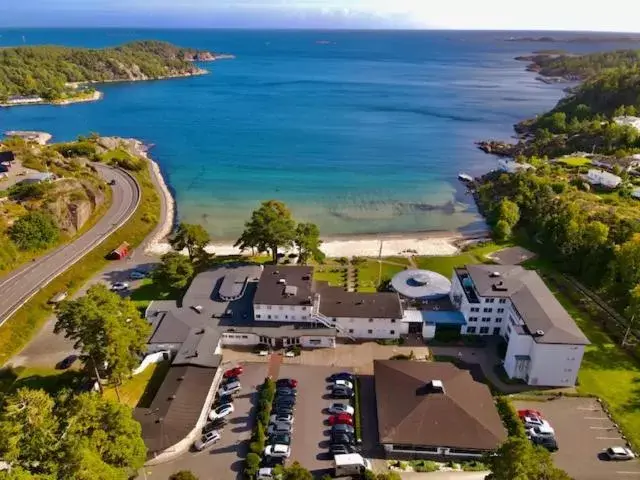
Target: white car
{"points": [[207, 440], [281, 418], [277, 450], [619, 453], [120, 286], [266, 473], [530, 422], [344, 384], [338, 408], [221, 411], [229, 388], [541, 431]]}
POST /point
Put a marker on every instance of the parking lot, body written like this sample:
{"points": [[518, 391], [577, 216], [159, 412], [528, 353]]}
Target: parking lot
{"points": [[225, 460], [583, 432]]}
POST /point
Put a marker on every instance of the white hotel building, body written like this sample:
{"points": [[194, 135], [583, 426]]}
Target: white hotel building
{"points": [[544, 345]]}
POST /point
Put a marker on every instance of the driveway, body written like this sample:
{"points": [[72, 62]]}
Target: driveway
{"points": [[583, 431], [225, 461]]}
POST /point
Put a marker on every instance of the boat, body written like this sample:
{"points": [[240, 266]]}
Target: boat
{"points": [[463, 177]]}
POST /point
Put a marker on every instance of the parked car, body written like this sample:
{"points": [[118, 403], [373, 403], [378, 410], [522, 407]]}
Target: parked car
{"points": [[336, 408], [217, 424], [529, 413], [340, 392], [282, 410], [277, 450], [233, 372], [284, 402], [58, 297], [342, 438], [221, 411], [286, 392], [137, 275], [112, 181], [530, 422], [230, 380], [343, 428], [67, 362], [207, 440], [120, 286], [341, 449], [286, 382], [279, 427], [229, 388], [619, 453], [285, 418], [222, 399], [549, 443], [541, 431], [342, 376], [341, 418], [280, 438], [343, 383], [259, 348]]}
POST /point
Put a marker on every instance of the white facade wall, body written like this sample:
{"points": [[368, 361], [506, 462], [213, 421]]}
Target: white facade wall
{"points": [[488, 317], [518, 345], [236, 338], [282, 313], [428, 331], [317, 342], [555, 365], [431, 452], [373, 328]]}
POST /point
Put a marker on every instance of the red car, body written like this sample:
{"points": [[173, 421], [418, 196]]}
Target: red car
{"points": [[233, 372], [286, 383], [529, 413], [341, 418]]}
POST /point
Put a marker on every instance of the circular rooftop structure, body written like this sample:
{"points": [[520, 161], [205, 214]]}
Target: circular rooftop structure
{"points": [[421, 284]]}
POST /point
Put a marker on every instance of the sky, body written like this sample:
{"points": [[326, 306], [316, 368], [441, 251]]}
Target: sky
{"points": [[613, 15]]}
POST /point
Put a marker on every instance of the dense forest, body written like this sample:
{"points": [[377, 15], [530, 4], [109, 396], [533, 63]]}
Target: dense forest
{"points": [[47, 71], [580, 67]]}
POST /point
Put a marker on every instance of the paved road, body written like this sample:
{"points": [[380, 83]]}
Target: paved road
{"points": [[21, 284]]}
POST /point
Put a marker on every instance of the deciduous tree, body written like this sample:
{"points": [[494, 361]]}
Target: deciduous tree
{"points": [[517, 459], [270, 227], [308, 242], [107, 328], [192, 237], [176, 270], [183, 475]]}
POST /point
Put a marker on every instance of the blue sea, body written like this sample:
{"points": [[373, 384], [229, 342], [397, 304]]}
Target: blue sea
{"points": [[359, 132]]}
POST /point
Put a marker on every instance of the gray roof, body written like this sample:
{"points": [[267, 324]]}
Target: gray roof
{"points": [[337, 302], [276, 278], [281, 331], [199, 348], [232, 285], [176, 408], [169, 328], [538, 307], [422, 284]]}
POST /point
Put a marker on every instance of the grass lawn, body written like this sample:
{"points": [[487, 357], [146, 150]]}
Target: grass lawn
{"points": [[575, 161], [607, 371], [444, 265], [369, 271], [140, 388], [48, 379], [149, 291], [333, 274]]}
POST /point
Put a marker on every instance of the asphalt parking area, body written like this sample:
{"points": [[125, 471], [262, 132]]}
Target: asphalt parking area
{"points": [[310, 439], [583, 432], [225, 460]]}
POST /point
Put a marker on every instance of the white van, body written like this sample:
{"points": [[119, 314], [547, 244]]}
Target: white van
{"points": [[350, 464]]}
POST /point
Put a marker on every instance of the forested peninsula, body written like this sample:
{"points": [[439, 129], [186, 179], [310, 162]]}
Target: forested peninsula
{"points": [[61, 74]]}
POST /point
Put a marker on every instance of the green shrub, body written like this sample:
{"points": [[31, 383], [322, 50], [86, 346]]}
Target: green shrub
{"points": [[252, 465], [34, 231], [183, 475], [76, 149], [357, 418], [29, 191], [256, 447], [473, 466], [426, 466], [510, 419]]}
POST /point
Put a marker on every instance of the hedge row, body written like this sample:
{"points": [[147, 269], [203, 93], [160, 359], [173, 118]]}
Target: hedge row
{"points": [[358, 412], [515, 428], [266, 394]]}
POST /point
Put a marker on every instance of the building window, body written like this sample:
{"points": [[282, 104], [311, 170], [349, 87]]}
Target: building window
{"points": [[304, 308], [269, 317], [475, 309], [304, 317], [496, 331], [471, 329], [568, 369], [334, 319], [500, 310], [286, 317], [486, 319], [392, 332], [370, 320], [315, 341], [499, 320], [502, 300], [488, 310], [369, 332], [571, 358], [508, 329], [473, 319], [269, 307], [281, 307], [351, 330], [257, 315], [393, 320], [484, 330], [245, 336], [489, 300]]}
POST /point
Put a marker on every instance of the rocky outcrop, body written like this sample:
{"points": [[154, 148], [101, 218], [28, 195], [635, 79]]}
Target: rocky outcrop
{"points": [[204, 56], [496, 147], [72, 202]]}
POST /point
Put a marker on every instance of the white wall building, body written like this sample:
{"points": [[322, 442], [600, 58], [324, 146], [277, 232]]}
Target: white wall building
{"points": [[605, 179], [544, 345], [511, 166]]}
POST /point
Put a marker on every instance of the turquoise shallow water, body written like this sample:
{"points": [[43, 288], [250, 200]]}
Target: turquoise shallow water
{"points": [[365, 133]]}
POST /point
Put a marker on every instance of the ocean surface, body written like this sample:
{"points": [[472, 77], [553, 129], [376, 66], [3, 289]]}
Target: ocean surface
{"points": [[359, 132]]}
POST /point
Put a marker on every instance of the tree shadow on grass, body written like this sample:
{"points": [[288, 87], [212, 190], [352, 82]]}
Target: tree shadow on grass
{"points": [[12, 379]]}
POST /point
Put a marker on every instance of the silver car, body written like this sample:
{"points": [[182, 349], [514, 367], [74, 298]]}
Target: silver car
{"points": [[207, 440], [279, 427]]}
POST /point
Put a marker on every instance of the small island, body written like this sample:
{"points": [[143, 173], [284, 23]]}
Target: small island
{"points": [[61, 75], [592, 38]]}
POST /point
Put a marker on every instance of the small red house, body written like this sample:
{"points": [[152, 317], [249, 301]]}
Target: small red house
{"points": [[121, 252]]}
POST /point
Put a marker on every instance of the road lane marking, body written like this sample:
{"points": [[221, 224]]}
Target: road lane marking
{"points": [[602, 428], [596, 418], [607, 438], [588, 409], [628, 473]]}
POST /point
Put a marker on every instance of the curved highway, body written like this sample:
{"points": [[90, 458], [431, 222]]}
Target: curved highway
{"points": [[20, 285]]}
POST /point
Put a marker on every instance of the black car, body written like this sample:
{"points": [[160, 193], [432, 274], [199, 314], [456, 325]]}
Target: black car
{"points": [[67, 362], [282, 410], [549, 443], [341, 392], [342, 376], [229, 380], [342, 428], [270, 462], [341, 449], [342, 438], [217, 424], [282, 400], [286, 392], [221, 400], [280, 439]]}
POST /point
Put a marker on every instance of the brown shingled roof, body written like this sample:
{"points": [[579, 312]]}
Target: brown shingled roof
{"points": [[337, 302], [409, 413]]}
